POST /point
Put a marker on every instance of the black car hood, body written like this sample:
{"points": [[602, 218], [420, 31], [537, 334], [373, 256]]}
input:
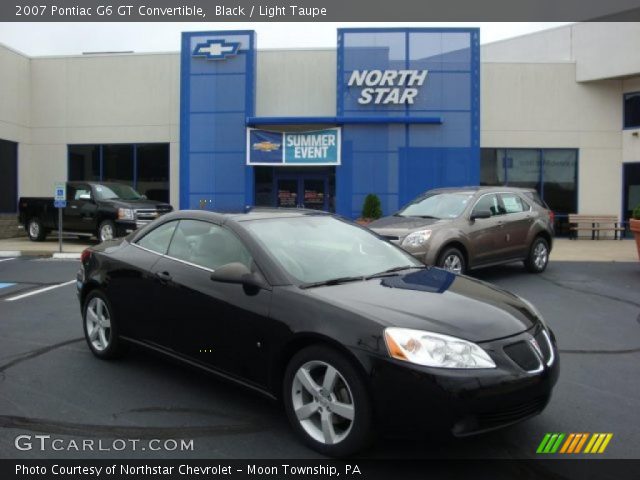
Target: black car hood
{"points": [[404, 223], [138, 204], [436, 301]]}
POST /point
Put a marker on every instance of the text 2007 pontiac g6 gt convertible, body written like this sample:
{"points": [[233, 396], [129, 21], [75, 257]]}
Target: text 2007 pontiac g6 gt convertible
{"points": [[348, 330]]}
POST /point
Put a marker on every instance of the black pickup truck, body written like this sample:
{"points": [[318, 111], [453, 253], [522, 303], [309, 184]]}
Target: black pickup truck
{"points": [[102, 209]]}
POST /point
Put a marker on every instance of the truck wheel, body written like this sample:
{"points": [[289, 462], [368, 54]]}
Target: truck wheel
{"points": [[36, 230], [106, 231]]}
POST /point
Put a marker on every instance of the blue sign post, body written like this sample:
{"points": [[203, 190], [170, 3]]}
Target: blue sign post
{"points": [[60, 202]]}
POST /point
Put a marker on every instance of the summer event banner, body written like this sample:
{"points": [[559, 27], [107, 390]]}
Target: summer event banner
{"points": [[319, 147]]}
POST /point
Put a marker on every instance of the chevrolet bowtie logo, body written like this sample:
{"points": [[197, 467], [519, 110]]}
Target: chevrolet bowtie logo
{"points": [[266, 146], [216, 49]]}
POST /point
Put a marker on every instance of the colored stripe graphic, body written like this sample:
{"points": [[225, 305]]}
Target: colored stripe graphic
{"points": [[573, 443]]}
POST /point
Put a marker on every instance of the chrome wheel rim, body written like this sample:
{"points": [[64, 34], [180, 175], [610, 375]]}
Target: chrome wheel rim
{"points": [[453, 263], [106, 233], [322, 402], [98, 323], [34, 229], [540, 255]]}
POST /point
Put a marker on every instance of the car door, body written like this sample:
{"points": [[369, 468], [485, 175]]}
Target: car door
{"points": [[134, 289], [80, 212], [518, 219], [485, 233], [222, 326]]}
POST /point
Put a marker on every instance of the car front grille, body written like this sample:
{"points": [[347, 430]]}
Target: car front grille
{"points": [[146, 215], [510, 414], [391, 238], [523, 354]]}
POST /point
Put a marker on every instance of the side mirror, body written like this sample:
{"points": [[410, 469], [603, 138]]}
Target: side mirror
{"points": [[238, 273], [480, 214]]}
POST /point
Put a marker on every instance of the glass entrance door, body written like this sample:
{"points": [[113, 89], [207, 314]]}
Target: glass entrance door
{"points": [[302, 191], [631, 192]]}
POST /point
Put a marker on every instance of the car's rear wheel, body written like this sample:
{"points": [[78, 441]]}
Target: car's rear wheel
{"points": [[538, 257], [452, 259], [100, 329], [36, 230], [327, 402], [106, 231]]}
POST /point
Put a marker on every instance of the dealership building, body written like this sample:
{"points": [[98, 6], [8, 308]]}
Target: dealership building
{"points": [[223, 124]]}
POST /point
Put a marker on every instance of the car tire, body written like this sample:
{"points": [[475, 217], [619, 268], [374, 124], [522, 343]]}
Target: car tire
{"points": [[106, 231], [312, 405], [35, 230], [538, 257], [452, 259], [100, 328]]}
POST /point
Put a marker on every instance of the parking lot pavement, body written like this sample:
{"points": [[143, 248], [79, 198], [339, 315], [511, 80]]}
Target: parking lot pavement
{"points": [[51, 384]]}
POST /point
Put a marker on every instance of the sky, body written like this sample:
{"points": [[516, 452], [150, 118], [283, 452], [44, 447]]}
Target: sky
{"points": [[35, 39]]}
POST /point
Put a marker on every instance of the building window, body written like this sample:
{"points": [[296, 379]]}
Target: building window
{"points": [[8, 176], [145, 167], [551, 172], [632, 110]]}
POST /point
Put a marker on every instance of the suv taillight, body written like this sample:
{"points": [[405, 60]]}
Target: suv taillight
{"points": [[85, 256]]}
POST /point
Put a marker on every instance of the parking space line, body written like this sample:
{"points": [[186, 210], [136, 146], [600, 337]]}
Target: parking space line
{"points": [[6, 259], [40, 290]]}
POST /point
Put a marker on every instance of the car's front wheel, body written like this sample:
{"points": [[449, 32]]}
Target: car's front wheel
{"points": [[452, 259], [327, 402], [106, 231], [100, 329], [538, 257]]}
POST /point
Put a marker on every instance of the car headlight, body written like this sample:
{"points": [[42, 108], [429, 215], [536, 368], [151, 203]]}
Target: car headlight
{"points": [[126, 214], [416, 239], [434, 349]]}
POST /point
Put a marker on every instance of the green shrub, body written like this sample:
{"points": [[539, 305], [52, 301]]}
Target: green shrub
{"points": [[636, 213], [372, 207]]}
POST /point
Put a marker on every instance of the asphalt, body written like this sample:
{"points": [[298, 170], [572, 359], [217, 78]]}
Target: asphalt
{"points": [[51, 384]]}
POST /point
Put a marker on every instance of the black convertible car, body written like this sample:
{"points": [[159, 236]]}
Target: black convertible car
{"points": [[348, 330]]}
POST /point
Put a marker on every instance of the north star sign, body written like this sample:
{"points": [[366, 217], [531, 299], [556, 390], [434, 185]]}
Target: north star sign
{"points": [[384, 87]]}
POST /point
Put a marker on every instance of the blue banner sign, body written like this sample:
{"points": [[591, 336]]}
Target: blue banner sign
{"points": [[319, 147]]}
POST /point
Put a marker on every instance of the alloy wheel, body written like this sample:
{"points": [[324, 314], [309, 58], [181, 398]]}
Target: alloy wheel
{"points": [[322, 402], [106, 233], [98, 323], [540, 255], [453, 263], [34, 229]]}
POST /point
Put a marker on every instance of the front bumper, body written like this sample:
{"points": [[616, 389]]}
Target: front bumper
{"points": [[412, 398]]}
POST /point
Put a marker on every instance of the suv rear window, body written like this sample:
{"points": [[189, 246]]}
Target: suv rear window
{"points": [[536, 199]]}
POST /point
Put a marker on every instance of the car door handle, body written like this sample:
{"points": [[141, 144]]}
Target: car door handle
{"points": [[163, 276]]}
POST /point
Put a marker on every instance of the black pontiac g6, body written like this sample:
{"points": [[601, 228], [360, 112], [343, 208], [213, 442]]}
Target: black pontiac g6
{"points": [[350, 332]]}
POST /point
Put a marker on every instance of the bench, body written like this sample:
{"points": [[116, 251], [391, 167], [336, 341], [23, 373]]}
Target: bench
{"points": [[595, 224]]}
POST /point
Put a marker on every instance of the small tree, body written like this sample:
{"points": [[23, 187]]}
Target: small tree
{"points": [[372, 207]]}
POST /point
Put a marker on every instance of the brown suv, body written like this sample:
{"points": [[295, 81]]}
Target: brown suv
{"points": [[472, 227]]}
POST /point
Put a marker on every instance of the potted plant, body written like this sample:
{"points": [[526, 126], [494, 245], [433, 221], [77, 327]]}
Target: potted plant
{"points": [[634, 226], [371, 210]]}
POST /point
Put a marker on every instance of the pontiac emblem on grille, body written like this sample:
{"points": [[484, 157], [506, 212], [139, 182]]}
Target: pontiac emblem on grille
{"points": [[535, 346]]}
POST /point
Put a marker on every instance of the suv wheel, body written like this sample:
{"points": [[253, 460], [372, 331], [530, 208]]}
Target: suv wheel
{"points": [[538, 257], [327, 402], [452, 259]]}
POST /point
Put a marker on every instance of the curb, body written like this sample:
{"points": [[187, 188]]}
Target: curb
{"points": [[67, 256], [10, 253]]}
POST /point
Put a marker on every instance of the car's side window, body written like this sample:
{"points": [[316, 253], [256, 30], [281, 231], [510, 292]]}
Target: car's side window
{"points": [[207, 245], [513, 203], [83, 192], [157, 240], [488, 203]]}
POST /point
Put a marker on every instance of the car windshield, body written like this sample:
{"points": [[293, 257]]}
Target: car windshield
{"points": [[116, 191], [438, 205], [322, 248]]}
